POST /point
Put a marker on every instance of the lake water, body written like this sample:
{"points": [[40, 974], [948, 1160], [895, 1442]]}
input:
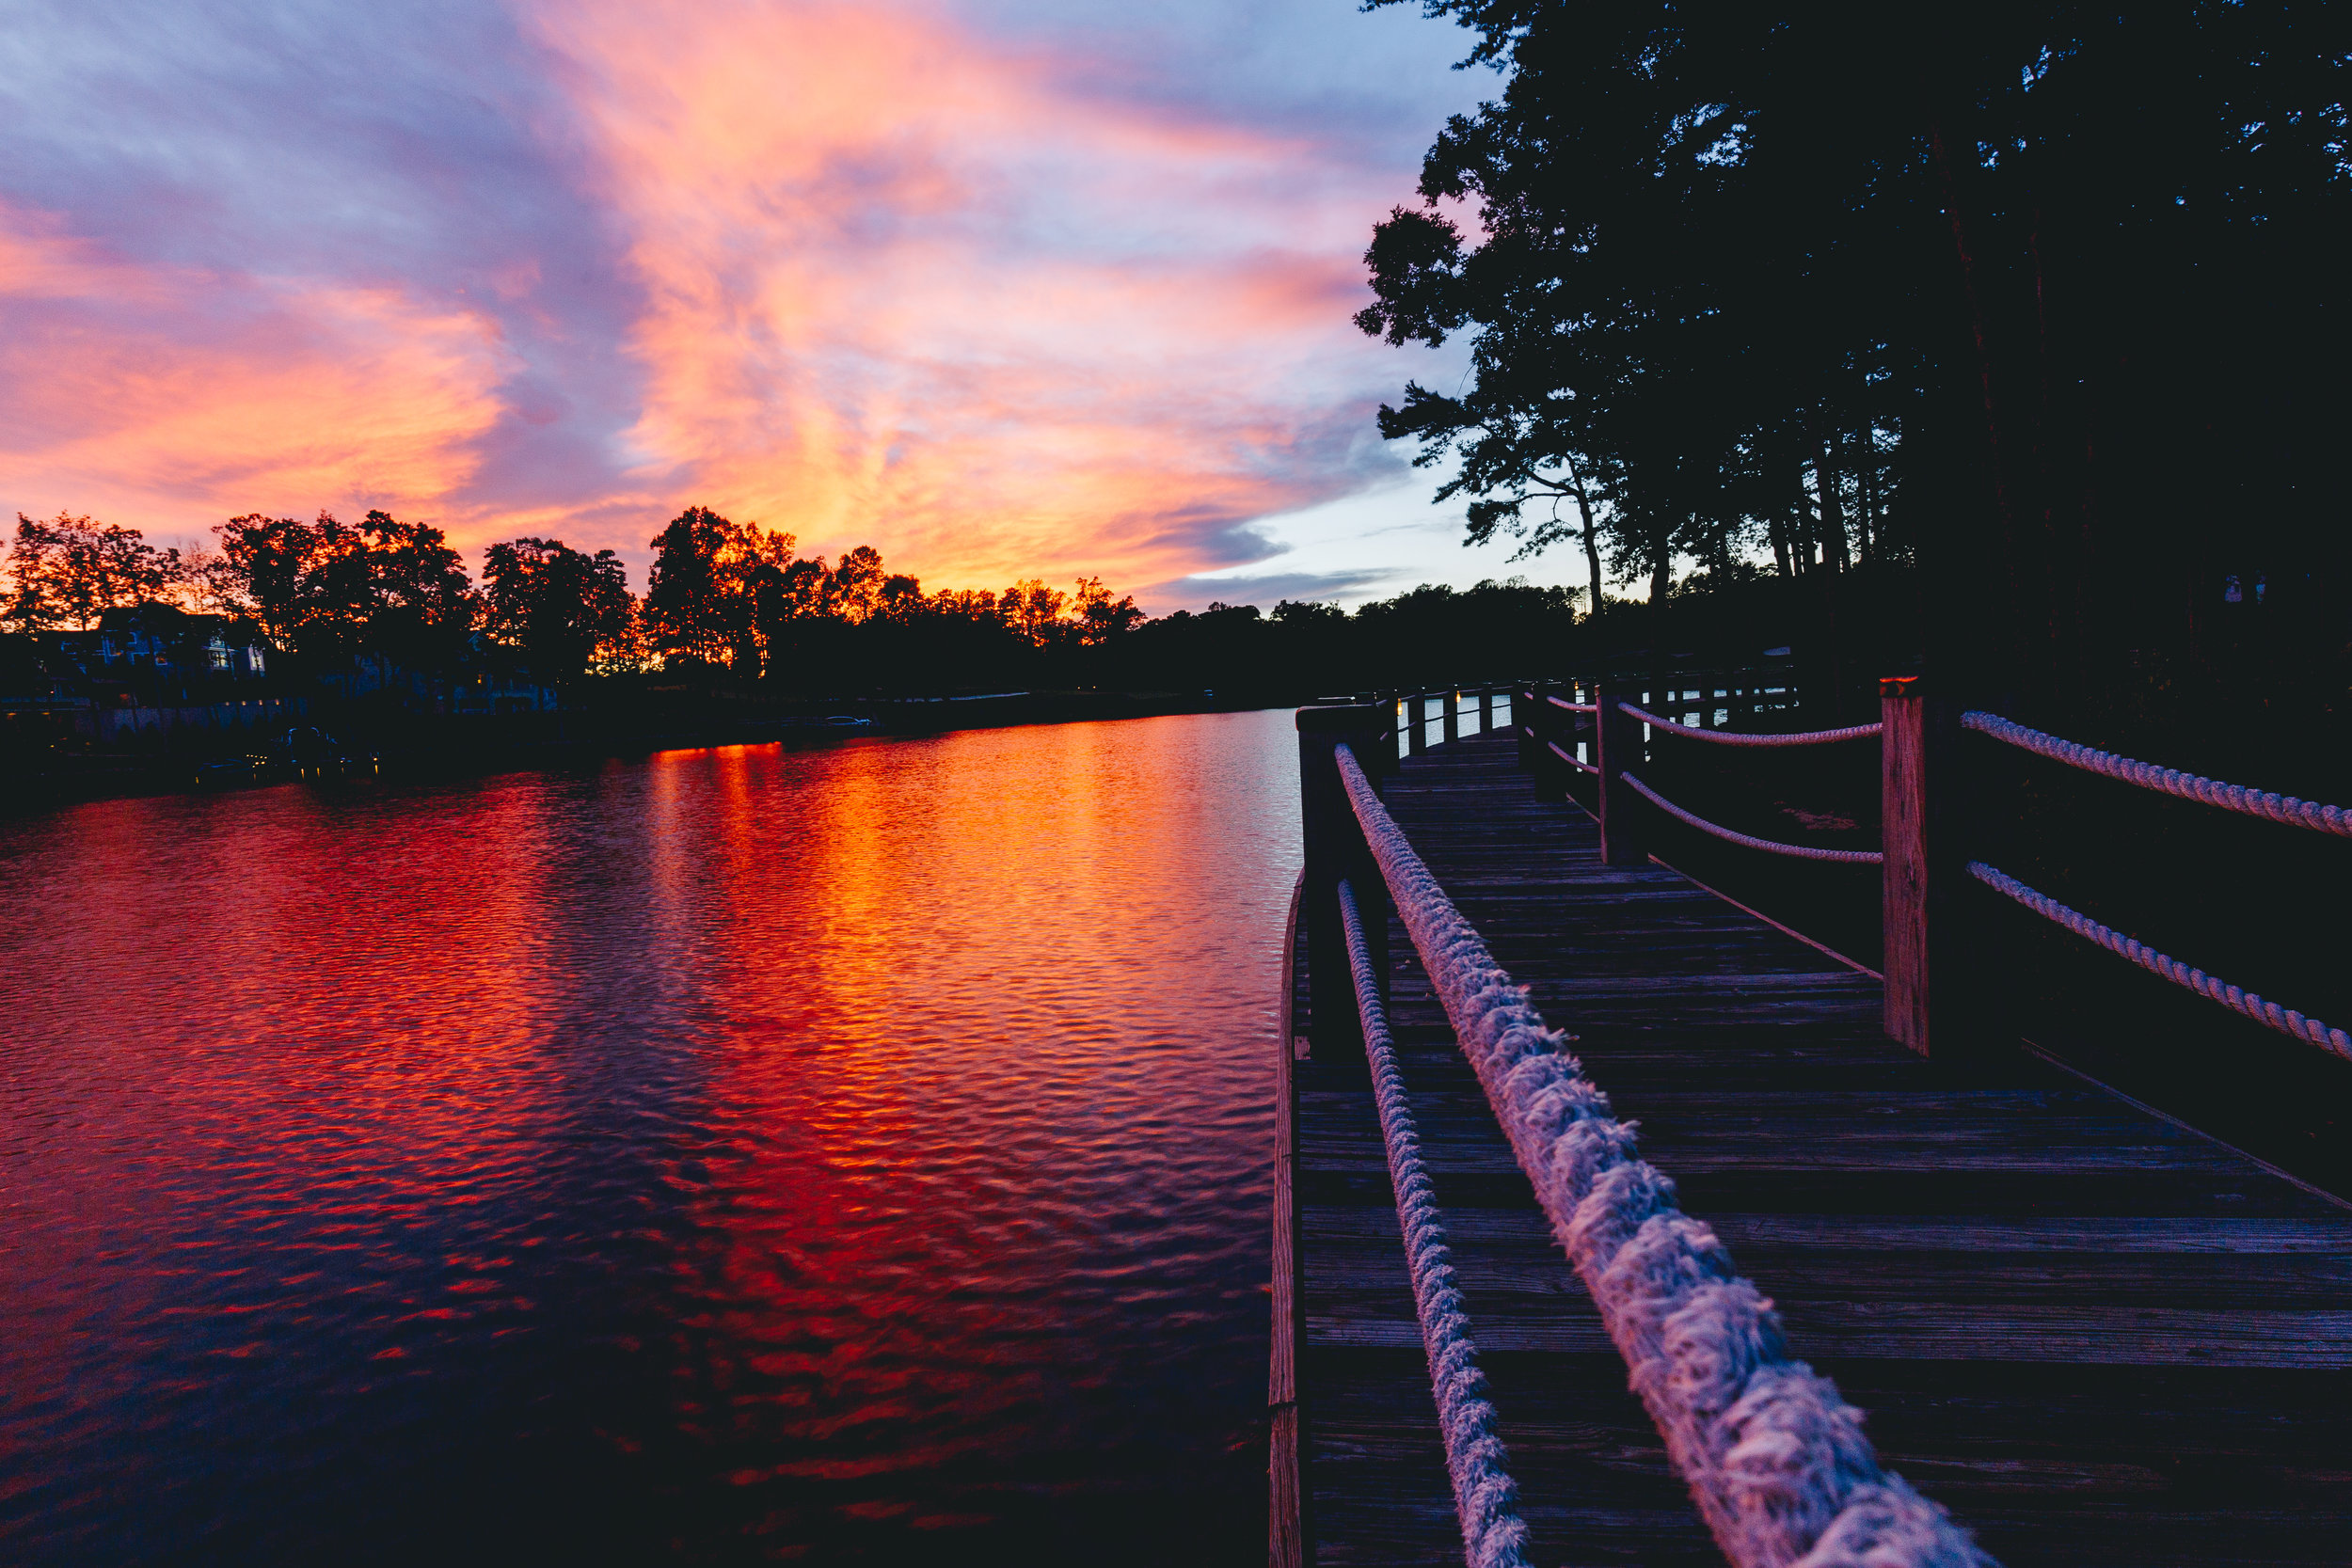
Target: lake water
{"points": [[853, 1153]]}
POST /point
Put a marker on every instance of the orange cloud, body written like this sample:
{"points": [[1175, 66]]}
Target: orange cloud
{"points": [[859, 271], [170, 397], [904, 287]]}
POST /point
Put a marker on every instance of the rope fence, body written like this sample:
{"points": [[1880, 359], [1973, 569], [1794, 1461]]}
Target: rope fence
{"points": [[1486, 1498], [1777, 1461], [1794, 851], [1572, 761], [2271, 807], [1751, 737], [2285, 1019]]}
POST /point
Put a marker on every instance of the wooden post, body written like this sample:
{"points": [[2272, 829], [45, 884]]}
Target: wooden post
{"points": [[1453, 701], [1551, 774], [1617, 748], [1335, 850], [1928, 1003], [1485, 710], [1286, 1516]]}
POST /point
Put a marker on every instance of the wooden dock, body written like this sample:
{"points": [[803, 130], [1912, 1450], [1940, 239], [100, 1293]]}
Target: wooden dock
{"points": [[2093, 1335]]}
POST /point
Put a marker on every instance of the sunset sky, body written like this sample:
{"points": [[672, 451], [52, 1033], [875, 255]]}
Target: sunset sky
{"points": [[1005, 289]]}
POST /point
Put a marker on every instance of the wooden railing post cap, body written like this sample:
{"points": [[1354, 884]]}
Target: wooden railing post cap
{"points": [[1339, 718]]}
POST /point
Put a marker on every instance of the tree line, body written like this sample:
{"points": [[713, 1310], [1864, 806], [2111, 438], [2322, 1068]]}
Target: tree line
{"points": [[721, 596], [734, 604], [2039, 306]]}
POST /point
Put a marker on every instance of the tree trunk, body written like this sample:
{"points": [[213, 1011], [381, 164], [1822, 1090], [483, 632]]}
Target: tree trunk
{"points": [[1801, 523], [1934, 557], [1866, 497], [1591, 544], [1834, 546], [1662, 565]]}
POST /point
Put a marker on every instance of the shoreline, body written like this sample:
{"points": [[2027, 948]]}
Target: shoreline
{"points": [[460, 751]]}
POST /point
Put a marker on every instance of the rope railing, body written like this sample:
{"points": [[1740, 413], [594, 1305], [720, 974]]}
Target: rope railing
{"points": [[1575, 762], [1771, 846], [2268, 805], [1751, 737], [1777, 1461], [1486, 1498], [1573, 708], [2245, 1003]]}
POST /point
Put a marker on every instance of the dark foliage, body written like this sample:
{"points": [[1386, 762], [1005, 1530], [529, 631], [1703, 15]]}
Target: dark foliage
{"points": [[2041, 301], [327, 590], [559, 605]]}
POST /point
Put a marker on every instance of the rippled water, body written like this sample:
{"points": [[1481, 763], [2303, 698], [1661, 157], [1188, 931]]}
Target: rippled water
{"points": [[854, 1153]]}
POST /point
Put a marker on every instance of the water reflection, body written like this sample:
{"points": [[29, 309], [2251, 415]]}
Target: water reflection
{"points": [[743, 1154]]}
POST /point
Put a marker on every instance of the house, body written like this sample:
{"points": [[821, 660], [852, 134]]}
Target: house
{"points": [[157, 652], [148, 671]]}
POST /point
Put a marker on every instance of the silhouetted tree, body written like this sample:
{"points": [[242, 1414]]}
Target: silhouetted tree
{"points": [[419, 604], [330, 590], [560, 605], [1032, 609], [696, 606], [70, 569], [1101, 618], [1990, 298], [854, 588]]}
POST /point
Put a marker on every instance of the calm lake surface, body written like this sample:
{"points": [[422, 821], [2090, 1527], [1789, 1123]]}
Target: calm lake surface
{"points": [[856, 1153]]}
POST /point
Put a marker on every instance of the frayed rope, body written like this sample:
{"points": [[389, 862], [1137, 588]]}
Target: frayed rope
{"points": [[1485, 1497], [1776, 1462]]}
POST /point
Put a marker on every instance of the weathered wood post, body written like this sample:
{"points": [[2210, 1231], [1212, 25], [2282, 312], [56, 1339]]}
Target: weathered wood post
{"points": [[1544, 717], [1618, 747], [1485, 710], [1928, 993], [1453, 700], [1335, 850]]}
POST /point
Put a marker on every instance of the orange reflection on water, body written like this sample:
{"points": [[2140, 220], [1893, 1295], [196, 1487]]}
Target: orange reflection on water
{"points": [[741, 1146]]}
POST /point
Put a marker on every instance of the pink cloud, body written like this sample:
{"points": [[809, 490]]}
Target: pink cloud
{"points": [[907, 288], [865, 272], [171, 397]]}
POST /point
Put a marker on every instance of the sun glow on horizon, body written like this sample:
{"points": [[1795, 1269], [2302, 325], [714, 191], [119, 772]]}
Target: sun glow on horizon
{"points": [[1000, 304]]}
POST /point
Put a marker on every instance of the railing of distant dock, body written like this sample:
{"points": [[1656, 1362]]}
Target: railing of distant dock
{"points": [[1934, 975], [1415, 714]]}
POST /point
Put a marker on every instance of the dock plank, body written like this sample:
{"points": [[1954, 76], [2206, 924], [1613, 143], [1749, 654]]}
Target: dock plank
{"points": [[2097, 1336]]}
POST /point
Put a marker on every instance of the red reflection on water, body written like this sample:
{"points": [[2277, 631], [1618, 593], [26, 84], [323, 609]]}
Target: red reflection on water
{"points": [[872, 1118]]}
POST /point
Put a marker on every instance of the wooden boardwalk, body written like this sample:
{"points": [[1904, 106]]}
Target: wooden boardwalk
{"points": [[2094, 1335]]}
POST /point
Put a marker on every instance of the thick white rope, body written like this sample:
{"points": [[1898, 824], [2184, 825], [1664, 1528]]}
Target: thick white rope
{"points": [[1771, 845], [2168, 781], [1571, 761], [1486, 1498], [1777, 1461], [1573, 708], [2285, 1019], [1752, 738]]}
